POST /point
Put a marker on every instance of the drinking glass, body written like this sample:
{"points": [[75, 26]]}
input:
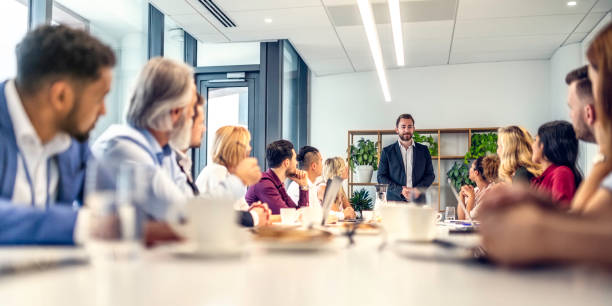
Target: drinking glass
{"points": [[112, 191], [449, 213]]}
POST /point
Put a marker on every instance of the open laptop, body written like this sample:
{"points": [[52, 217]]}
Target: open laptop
{"points": [[331, 191]]}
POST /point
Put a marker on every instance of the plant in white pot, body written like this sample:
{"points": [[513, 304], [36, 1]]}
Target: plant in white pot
{"points": [[364, 159]]}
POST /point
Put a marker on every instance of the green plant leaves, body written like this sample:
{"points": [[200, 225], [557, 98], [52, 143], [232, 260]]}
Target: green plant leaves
{"points": [[361, 200], [365, 153], [428, 141]]}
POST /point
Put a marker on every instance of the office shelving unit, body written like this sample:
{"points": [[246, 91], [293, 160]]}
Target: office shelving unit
{"points": [[440, 133]]}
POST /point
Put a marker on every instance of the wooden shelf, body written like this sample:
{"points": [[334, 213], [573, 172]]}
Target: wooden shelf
{"points": [[448, 157], [363, 184]]}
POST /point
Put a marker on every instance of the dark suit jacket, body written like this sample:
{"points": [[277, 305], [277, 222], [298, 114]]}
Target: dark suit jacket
{"points": [[391, 170]]}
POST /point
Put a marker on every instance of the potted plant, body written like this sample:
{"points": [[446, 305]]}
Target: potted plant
{"points": [[428, 141], [364, 159], [360, 200]]}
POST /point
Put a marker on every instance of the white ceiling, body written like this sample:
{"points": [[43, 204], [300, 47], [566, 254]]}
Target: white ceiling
{"points": [[329, 36]]}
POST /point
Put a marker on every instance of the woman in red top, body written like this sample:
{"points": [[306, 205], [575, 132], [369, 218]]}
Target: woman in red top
{"points": [[556, 150]]}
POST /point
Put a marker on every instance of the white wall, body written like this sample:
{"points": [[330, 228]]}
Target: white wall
{"points": [[452, 96]]}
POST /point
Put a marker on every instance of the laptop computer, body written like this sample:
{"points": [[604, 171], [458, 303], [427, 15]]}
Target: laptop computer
{"points": [[331, 191]]}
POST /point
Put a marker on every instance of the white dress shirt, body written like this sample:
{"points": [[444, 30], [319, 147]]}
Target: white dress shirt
{"points": [[407, 158], [294, 193], [215, 179], [35, 159], [168, 183]]}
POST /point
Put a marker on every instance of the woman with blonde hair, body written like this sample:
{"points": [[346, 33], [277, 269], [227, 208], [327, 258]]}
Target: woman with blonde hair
{"points": [[514, 151], [231, 163], [336, 166]]}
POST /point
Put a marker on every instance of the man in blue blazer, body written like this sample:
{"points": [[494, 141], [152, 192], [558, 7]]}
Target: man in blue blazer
{"points": [[405, 165], [46, 114]]}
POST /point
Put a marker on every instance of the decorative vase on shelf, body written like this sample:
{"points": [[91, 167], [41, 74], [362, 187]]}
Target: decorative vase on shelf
{"points": [[364, 173]]}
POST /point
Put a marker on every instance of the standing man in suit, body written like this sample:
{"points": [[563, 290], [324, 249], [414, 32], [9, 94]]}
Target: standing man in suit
{"points": [[405, 165]]}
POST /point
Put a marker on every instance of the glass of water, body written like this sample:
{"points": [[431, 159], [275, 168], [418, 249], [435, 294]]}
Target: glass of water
{"points": [[449, 213], [115, 224]]}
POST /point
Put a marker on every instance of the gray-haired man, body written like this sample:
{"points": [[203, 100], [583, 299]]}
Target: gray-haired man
{"points": [[159, 118]]}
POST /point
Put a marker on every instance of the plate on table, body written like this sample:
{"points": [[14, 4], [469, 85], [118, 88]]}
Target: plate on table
{"points": [[292, 239]]}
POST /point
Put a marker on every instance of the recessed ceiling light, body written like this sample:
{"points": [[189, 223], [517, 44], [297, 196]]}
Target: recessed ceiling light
{"points": [[572, 3], [268, 20], [367, 17]]}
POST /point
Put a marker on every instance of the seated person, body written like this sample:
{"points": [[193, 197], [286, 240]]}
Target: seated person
{"points": [[160, 115], [341, 207], [518, 225], [484, 173], [270, 189], [231, 165], [556, 150], [309, 159], [46, 114], [514, 151]]}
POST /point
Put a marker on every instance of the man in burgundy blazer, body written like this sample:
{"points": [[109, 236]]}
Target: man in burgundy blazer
{"points": [[281, 158]]}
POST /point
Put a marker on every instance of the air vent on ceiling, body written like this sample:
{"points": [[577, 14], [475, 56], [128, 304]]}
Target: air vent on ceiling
{"points": [[218, 13]]}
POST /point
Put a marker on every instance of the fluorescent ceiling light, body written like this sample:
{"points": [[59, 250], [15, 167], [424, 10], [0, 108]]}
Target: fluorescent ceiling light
{"points": [[370, 28], [396, 26], [268, 20], [572, 3]]}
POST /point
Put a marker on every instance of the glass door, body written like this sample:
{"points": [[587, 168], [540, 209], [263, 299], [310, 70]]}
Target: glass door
{"points": [[230, 100]]}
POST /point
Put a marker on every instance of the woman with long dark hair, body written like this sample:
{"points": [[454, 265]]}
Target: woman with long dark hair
{"points": [[555, 149]]}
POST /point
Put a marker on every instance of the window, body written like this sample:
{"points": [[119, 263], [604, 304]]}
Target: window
{"points": [[121, 24], [290, 94], [13, 26]]}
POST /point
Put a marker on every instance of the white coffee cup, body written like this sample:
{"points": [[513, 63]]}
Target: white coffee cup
{"points": [[367, 215], [310, 215], [288, 215], [409, 222], [211, 226]]}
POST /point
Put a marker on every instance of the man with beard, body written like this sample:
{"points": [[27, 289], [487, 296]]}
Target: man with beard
{"points": [[581, 103], [405, 165], [159, 118], [46, 114], [270, 189]]}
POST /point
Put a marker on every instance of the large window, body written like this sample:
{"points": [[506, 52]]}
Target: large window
{"points": [[290, 94], [121, 24], [13, 26]]}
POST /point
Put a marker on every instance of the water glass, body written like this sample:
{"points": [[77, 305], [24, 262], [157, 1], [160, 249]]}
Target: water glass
{"points": [[449, 213], [112, 190]]}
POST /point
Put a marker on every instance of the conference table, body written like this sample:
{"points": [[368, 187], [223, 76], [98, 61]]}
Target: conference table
{"points": [[362, 273]]}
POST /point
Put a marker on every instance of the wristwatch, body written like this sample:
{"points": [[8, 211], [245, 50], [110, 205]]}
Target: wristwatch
{"points": [[305, 188]]}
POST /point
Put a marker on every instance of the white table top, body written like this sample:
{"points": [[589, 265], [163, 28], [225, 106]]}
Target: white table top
{"points": [[359, 275]]}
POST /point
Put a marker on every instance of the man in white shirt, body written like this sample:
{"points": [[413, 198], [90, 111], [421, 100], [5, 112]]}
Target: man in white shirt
{"points": [[405, 165], [46, 114], [309, 160]]}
